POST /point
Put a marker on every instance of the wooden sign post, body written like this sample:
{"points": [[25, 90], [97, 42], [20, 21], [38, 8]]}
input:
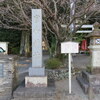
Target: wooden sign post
{"points": [[69, 47]]}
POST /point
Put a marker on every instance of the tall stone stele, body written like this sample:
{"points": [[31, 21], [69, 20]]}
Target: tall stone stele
{"points": [[37, 77], [95, 49]]}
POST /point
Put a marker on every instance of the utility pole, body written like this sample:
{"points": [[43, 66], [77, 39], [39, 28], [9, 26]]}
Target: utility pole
{"points": [[72, 13]]}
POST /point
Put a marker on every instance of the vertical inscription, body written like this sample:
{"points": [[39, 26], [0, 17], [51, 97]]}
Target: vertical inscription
{"points": [[1, 70], [36, 38]]}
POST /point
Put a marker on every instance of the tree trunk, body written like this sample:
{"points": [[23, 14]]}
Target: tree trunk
{"points": [[58, 48], [25, 43], [22, 44], [59, 55]]}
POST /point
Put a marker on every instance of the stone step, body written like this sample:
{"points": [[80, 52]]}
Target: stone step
{"points": [[83, 83], [5, 98], [33, 99], [85, 76], [34, 92]]}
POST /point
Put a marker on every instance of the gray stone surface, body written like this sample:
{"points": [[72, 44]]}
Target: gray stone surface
{"points": [[36, 93], [36, 38], [1, 69], [37, 66], [87, 81], [34, 71], [85, 75], [83, 84], [6, 81]]}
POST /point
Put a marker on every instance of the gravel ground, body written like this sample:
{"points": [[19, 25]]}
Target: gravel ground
{"points": [[77, 93]]}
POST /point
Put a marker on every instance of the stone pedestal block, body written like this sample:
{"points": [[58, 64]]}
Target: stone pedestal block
{"points": [[95, 59], [36, 81], [37, 71], [95, 70]]}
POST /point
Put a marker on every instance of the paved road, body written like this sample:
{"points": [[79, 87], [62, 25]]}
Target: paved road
{"points": [[81, 61], [77, 93]]}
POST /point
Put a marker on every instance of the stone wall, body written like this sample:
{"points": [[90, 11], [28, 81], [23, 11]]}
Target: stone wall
{"points": [[58, 74], [6, 76]]}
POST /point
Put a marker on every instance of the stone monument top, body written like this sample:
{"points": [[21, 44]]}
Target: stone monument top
{"points": [[96, 25], [96, 31]]}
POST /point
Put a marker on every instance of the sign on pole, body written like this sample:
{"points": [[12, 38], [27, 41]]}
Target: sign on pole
{"points": [[69, 47]]}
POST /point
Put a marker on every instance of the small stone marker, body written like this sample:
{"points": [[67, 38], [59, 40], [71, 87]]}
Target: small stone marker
{"points": [[69, 47], [37, 76]]}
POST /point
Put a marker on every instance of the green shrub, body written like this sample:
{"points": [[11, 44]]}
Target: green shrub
{"points": [[15, 50], [53, 63], [62, 57]]}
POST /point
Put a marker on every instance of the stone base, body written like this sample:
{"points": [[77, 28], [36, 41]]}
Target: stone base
{"points": [[35, 81], [36, 71], [96, 70], [35, 93]]}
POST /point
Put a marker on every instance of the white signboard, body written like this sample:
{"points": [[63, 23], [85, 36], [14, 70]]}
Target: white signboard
{"points": [[69, 47]]}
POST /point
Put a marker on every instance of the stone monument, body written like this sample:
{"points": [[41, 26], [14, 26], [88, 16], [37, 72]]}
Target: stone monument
{"points": [[91, 79], [37, 77]]}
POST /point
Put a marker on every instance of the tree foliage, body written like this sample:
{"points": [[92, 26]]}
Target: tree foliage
{"points": [[16, 14], [57, 12]]}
